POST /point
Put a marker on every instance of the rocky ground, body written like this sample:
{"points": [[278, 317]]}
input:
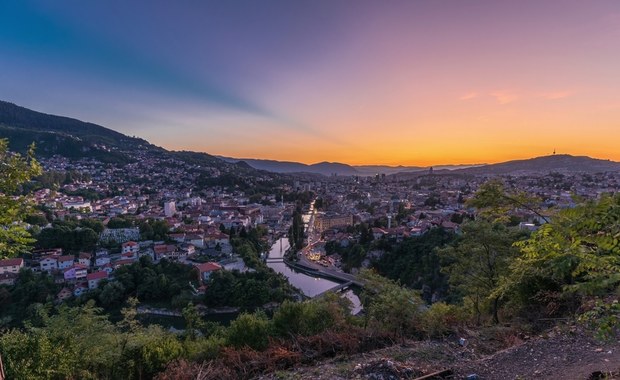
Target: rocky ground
{"points": [[565, 352]]}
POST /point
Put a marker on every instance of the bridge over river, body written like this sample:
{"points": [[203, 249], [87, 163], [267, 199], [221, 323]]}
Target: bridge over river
{"points": [[312, 279]]}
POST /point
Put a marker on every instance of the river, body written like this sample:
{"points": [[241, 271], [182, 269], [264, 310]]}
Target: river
{"points": [[308, 284]]}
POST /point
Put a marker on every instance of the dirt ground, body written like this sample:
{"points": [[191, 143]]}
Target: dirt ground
{"points": [[562, 353]]}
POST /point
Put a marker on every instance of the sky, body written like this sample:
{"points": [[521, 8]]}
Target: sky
{"points": [[361, 82]]}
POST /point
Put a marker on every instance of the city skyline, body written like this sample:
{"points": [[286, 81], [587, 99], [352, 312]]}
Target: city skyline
{"points": [[405, 83]]}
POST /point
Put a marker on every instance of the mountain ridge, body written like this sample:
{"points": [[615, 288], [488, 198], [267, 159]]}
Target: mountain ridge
{"points": [[74, 138]]}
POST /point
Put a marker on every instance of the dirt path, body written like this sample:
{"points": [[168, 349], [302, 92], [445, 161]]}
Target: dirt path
{"points": [[556, 355], [562, 354]]}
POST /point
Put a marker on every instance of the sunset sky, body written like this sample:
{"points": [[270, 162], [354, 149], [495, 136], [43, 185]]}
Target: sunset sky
{"points": [[360, 82]]}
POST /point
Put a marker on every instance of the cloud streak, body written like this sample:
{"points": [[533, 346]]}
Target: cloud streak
{"points": [[469, 96], [505, 97]]}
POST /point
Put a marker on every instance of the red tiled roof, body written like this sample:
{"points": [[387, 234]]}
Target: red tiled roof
{"points": [[208, 267], [76, 266], [122, 262], [11, 262], [66, 258]]}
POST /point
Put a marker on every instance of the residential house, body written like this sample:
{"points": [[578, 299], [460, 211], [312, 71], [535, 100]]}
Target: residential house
{"points": [[102, 260], [49, 263], [147, 252], [65, 262], [130, 256], [130, 247], [80, 289], [216, 237], [8, 278], [85, 259], [95, 278], [11, 265], [64, 294], [108, 268], [75, 273], [188, 249], [206, 269], [122, 262], [196, 240], [165, 251], [178, 237]]}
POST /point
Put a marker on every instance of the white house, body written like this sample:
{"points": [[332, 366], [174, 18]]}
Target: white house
{"points": [[65, 262], [95, 277], [11, 265], [85, 259], [49, 263], [130, 247], [102, 260]]}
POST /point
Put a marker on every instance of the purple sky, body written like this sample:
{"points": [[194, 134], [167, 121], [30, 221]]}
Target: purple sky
{"points": [[354, 81]]}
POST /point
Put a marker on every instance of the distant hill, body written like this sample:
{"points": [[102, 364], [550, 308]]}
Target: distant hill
{"points": [[63, 135], [330, 168], [384, 169], [555, 163], [76, 139], [73, 138], [325, 168]]}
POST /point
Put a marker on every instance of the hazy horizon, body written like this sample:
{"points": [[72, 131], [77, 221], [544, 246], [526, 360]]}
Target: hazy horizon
{"points": [[369, 83]]}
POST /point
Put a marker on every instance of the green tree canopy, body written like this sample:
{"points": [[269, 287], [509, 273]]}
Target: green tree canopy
{"points": [[478, 261], [15, 170]]}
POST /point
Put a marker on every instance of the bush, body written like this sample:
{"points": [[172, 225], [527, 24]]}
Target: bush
{"points": [[310, 317], [603, 317], [251, 330], [441, 319]]}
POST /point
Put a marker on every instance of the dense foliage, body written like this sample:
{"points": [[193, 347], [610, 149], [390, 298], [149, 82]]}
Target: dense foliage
{"points": [[415, 263], [166, 283], [71, 235], [247, 290], [15, 170]]}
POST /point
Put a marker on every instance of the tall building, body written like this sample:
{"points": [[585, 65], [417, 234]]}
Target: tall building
{"points": [[170, 208]]}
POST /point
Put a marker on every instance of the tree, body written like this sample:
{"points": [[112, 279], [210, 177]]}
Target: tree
{"points": [[390, 308], [414, 262], [296, 232], [494, 201], [577, 254], [193, 321], [15, 171], [478, 261], [118, 222], [250, 330], [112, 293]]}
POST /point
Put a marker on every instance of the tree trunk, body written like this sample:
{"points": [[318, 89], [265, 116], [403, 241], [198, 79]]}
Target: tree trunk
{"points": [[495, 310]]}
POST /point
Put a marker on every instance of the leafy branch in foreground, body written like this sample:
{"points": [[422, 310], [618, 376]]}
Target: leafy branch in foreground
{"points": [[15, 170]]}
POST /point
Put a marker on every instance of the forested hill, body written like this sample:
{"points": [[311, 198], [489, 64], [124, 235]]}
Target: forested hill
{"points": [[63, 135], [75, 139], [556, 162]]}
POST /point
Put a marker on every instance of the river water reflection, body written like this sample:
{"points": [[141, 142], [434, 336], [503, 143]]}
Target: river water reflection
{"points": [[308, 284]]}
